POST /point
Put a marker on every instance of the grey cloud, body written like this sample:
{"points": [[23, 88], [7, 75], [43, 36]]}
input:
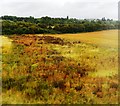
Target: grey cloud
{"points": [[56, 8], [92, 9]]}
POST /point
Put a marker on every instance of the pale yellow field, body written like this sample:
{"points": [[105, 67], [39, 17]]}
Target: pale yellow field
{"points": [[107, 38]]}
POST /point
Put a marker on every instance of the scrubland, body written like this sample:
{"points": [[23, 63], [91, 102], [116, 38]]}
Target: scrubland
{"points": [[60, 68]]}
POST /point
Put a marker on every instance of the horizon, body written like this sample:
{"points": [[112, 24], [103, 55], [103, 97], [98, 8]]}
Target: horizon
{"points": [[60, 17]]}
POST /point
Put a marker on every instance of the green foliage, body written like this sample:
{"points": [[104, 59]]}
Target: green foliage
{"points": [[30, 25]]}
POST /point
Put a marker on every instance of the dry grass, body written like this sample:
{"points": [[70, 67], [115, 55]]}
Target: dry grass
{"points": [[107, 38], [74, 69], [5, 44]]}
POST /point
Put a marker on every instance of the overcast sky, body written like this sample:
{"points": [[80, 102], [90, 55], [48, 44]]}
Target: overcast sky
{"points": [[61, 8]]}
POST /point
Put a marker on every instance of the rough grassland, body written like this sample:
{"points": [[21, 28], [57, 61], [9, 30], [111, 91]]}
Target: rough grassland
{"points": [[61, 69]]}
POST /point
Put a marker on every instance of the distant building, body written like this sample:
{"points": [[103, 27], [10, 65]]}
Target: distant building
{"points": [[67, 17]]}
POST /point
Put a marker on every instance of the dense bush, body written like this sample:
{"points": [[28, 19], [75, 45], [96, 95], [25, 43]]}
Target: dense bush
{"points": [[31, 25]]}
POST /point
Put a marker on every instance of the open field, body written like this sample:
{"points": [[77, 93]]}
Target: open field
{"points": [[100, 38], [61, 69]]}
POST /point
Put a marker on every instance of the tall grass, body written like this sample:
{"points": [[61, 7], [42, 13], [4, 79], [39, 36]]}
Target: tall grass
{"points": [[49, 70]]}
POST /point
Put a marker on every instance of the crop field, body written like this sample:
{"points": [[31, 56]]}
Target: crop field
{"points": [[60, 68]]}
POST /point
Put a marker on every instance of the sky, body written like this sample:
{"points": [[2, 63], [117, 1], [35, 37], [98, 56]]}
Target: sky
{"points": [[81, 9]]}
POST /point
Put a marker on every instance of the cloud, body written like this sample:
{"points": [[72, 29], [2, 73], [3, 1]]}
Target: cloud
{"points": [[60, 8]]}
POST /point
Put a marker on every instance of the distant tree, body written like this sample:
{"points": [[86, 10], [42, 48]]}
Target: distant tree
{"points": [[25, 25], [103, 19]]}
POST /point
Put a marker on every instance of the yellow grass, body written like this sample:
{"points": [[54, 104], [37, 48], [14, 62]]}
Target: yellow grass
{"points": [[107, 38], [5, 44], [98, 51]]}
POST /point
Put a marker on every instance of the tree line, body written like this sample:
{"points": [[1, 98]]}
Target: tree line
{"points": [[31, 25]]}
